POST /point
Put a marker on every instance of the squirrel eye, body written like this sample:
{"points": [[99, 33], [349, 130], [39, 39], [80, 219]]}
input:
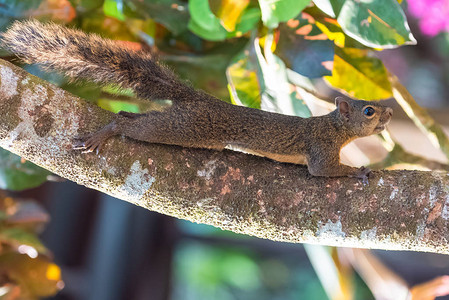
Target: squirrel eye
{"points": [[368, 111]]}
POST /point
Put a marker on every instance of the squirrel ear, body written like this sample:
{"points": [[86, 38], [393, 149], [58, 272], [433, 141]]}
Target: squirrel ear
{"points": [[343, 107]]}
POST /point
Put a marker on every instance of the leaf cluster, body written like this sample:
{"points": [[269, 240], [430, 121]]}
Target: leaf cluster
{"points": [[26, 267]]}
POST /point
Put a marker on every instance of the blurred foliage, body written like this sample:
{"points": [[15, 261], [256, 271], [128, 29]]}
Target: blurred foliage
{"points": [[26, 267], [225, 273], [260, 53], [218, 34], [18, 174], [217, 270]]}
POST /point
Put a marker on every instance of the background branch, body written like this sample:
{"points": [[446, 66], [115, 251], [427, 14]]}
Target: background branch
{"points": [[234, 191]]}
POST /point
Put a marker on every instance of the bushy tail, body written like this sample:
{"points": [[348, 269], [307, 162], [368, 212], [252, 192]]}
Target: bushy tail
{"points": [[88, 56]]}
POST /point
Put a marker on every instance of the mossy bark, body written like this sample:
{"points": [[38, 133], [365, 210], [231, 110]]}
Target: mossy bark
{"points": [[402, 210]]}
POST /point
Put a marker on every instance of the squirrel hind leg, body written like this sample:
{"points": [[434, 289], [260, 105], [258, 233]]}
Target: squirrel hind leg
{"points": [[95, 141]]}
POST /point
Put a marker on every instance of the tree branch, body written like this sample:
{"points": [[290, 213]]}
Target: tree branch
{"points": [[242, 193]]}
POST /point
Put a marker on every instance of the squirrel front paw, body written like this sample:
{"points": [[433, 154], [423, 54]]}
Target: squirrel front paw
{"points": [[88, 143]]}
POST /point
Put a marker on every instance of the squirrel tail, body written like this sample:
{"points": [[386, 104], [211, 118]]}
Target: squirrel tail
{"points": [[87, 56]]}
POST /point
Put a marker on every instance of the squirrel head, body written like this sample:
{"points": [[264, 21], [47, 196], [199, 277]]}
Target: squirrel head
{"points": [[363, 118]]}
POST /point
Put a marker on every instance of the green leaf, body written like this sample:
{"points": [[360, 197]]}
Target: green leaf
{"points": [[230, 11], [376, 24], [16, 175], [173, 14], [240, 270], [261, 82], [86, 90], [211, 268], [277, 95], [359, 75], [36, 278], [114, 8], [206, 25], [309, 57], [276, 11], [116, 106], [216, 34], [15, 237], [203, 16], [249, 20], [243, 83], [334, 32]]}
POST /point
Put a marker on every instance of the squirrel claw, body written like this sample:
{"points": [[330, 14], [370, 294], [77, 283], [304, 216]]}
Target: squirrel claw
{"points": [[363, 173], [87, 144]]}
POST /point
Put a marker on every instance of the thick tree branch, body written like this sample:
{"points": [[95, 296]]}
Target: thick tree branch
{"points": [[234, 191]]}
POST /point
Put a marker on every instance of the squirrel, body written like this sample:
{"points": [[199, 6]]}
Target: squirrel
{"points": [[195, 118]]}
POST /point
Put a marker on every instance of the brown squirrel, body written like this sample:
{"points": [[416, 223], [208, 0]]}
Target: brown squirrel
{"points": [[195, 119]]}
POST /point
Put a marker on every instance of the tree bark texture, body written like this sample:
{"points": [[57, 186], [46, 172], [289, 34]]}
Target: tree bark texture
{"points": [[401, 210]]}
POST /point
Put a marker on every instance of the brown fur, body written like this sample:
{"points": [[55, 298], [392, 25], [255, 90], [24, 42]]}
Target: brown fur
{"points": [[195, 119]]}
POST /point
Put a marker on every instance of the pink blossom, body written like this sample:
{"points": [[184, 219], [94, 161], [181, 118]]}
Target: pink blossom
{"points": [[433, 15]]}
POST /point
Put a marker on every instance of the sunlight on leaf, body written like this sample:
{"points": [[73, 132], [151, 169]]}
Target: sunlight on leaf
{"points": [[359, 75], [377, 24], [336, 278], [325, 6], [30, 275], [278, 96], [333, 32], [244, 86], [230, 12], [276, 11], [116, 106], [208, 26], [260, 81], [114, 8]]}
